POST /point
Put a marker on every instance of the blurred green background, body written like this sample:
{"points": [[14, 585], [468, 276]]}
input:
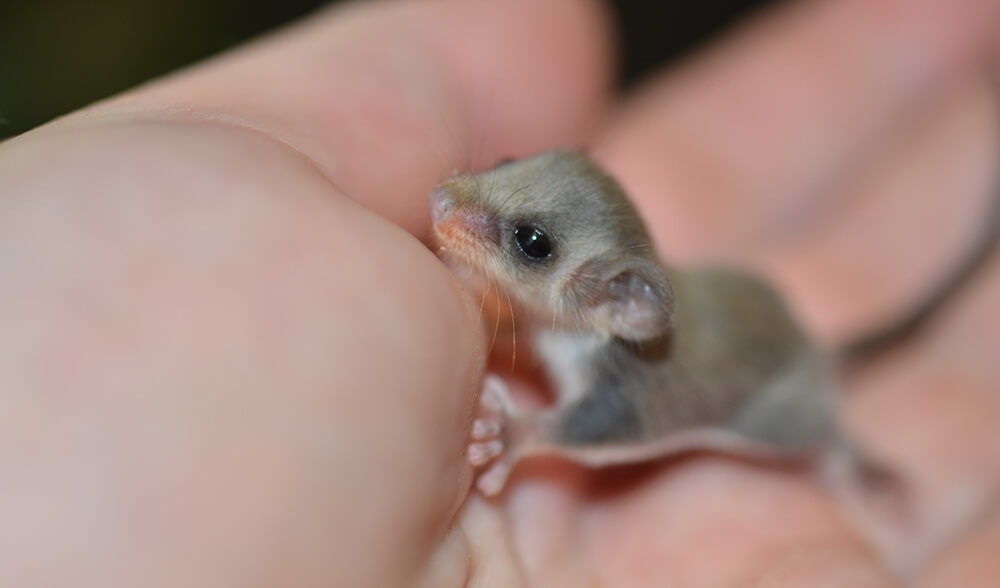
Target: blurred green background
{"points": [[58, 55]]}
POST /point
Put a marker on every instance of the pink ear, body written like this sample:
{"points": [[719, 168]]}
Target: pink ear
{"points": [[636, 303]]}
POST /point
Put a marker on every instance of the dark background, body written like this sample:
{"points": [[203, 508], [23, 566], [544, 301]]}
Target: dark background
{"points": [[58, 55]]}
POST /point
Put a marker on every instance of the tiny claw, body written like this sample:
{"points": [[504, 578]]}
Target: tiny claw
{"points": [[494, 393], [486, 428], [492, 481], [481, 453]]}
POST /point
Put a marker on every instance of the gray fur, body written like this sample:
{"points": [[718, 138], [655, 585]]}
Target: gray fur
{"points": [[646, 361], [722, 351]]}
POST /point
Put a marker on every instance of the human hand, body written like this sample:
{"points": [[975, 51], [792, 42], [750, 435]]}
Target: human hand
{"points": [[223, 361], [203, 315]]}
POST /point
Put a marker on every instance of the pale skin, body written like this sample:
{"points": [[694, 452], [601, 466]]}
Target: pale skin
{"points": [[228, 359]]}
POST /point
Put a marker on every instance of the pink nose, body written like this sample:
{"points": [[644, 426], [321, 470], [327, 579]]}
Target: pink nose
{"points": [[451, 215], [442, 204]]}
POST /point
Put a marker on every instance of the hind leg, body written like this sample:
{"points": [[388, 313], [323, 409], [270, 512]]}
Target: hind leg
{"points": [[877, 496], [890, 510]]}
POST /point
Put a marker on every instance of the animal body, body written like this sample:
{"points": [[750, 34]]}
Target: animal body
{"points": [[644, 360]]}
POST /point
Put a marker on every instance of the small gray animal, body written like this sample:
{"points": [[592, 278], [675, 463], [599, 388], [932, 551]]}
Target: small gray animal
{"points": [[644, 360]]}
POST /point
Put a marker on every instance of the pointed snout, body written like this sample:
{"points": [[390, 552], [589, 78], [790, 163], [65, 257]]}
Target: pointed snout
{"points": [[442, 203], [455, 219]]}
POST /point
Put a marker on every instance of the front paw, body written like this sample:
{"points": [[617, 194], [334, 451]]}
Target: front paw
{"points": [[489, 440]]}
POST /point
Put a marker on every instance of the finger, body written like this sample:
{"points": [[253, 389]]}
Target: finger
{"points": [[209, 355], [896, 235], [752, 137], [386, 98], [901, 228]]}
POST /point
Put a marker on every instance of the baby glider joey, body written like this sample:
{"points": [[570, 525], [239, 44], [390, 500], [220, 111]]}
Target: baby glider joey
{"points": [[643, 360]]}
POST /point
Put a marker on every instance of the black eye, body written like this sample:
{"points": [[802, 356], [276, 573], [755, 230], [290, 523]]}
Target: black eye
{"points": [[532, 241]]}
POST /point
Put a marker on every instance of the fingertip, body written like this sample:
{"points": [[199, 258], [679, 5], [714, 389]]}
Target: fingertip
{"points": [[745, 142], [389, 97]]}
